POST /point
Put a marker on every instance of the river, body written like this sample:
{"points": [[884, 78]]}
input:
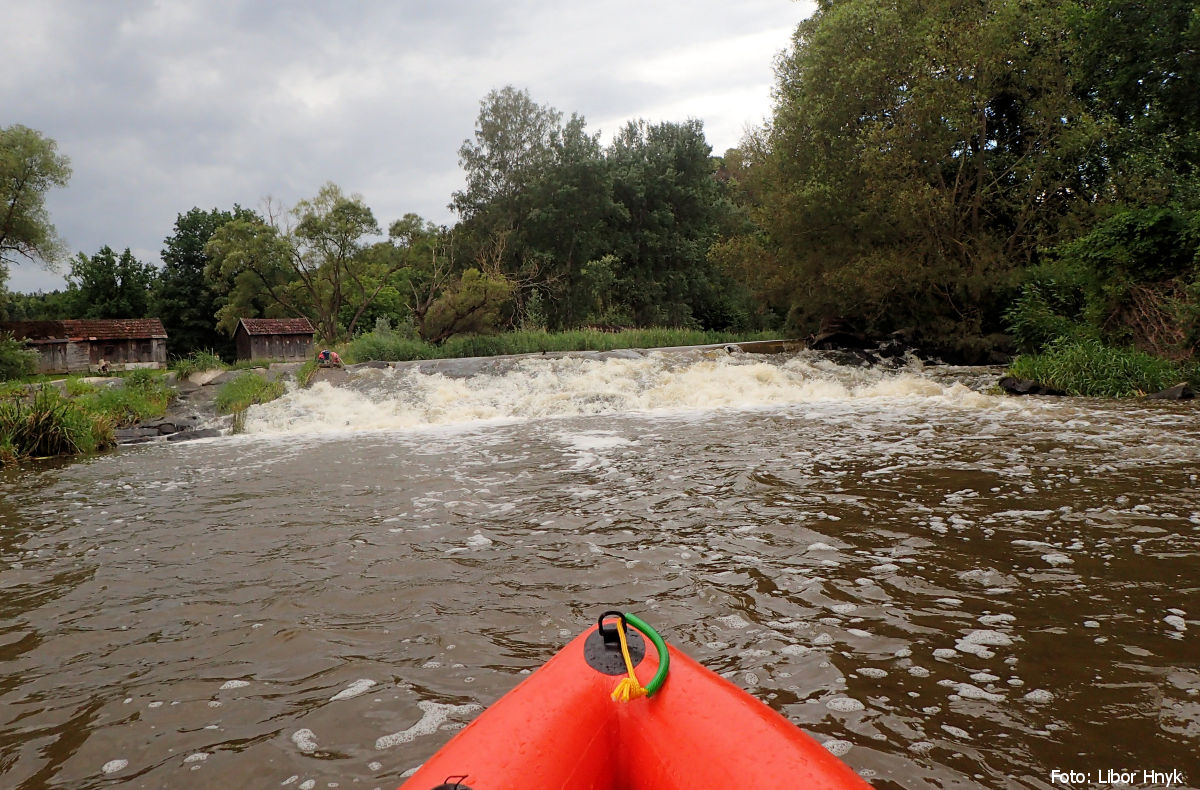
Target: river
{"points": [[947, 587]]}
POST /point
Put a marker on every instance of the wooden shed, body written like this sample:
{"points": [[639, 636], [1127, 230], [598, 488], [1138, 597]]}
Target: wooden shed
{"points": [[288, 339], [84, 344]]}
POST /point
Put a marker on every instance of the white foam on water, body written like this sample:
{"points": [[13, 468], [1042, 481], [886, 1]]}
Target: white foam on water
{"points": [[360, 686], [305, 740], [308, 784], [978, 642], [844, 704], [234, 684], [197, 757], [1176, 622], [540, 388], [1056, 559], [871, 672], [1039, 696], [957, 732], [838, 748], [433, 715], [479, 540], [968, 691], [733, 621], [112, 766]]}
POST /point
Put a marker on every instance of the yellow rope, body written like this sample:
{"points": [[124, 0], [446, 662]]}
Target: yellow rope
{"points": [[629, 688]]}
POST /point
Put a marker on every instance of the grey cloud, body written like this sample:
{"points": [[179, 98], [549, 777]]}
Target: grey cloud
{"points": [[162, 107]]}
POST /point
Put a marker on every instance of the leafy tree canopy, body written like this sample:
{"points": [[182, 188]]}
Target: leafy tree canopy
{"points": [[107, 285], [30, 165]]}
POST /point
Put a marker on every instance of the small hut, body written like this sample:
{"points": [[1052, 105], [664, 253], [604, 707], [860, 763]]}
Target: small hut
{"points": [[87, 344], [287, 339]]}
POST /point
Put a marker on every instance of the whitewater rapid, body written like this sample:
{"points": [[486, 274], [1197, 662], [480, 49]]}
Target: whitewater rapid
{"points": [[536, 388]]}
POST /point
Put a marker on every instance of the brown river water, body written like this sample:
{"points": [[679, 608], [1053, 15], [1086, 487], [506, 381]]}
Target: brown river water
{"points": [[945, 586]]}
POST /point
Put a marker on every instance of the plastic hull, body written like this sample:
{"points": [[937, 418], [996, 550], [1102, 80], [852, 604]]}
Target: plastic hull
{"points": [[559, 729]]}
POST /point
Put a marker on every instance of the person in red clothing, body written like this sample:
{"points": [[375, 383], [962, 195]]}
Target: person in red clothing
{"points": [[329, 359]]}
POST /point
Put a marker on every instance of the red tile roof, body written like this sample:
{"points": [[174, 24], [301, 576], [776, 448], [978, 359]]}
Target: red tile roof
{"points": [[277, 326], [87, 329]]}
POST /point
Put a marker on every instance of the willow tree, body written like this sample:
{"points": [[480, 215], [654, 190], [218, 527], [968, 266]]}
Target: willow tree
{"points": [[30, 166], [921, 153], [315, 260]]}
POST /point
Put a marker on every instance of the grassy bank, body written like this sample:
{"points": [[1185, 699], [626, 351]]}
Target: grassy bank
{"points": [[44, 421], [391, 346], [247, 390], [1090, 368]]}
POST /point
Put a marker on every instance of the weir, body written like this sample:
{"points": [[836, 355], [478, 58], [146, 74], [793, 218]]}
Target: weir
{"points": [[412, 395]]}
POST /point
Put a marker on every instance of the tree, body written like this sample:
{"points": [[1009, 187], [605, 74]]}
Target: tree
{"points": [[106, 285], [185, 299], [445, 300], [568, 222], [922, 153], [669, 210], [314, 261], [512, 147], [29, 166]]}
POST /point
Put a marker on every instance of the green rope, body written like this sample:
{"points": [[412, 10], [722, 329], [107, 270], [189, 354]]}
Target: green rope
{"points": [[664, 659]]}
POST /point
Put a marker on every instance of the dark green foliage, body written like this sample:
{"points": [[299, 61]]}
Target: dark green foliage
{"points": [[106, 285], [921, 153], [1131, 280], [40, 306], [1051, 305], [670, 206], [16, 360], [184, 298]]}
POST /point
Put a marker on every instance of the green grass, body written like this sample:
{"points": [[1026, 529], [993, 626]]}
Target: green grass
{"points": [[1090, 368], [49, 424], [245, 391], [394, 347], [143, 396], [305, 373], [197, 362]]}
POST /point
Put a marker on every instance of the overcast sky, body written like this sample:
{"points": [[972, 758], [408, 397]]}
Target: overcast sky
{"points": [[163, 106]]}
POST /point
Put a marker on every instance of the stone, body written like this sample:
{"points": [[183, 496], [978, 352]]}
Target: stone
{"points": [[1015, 386], [187, 436], [1179, 392]]}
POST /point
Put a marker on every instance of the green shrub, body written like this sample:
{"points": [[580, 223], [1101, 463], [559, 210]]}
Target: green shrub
{"points": [[1088, 367], [305, 373], [16, 361], [76, 386], [245, 391], [143, 396], [1052, 304], [50, 425], [197, 362]]}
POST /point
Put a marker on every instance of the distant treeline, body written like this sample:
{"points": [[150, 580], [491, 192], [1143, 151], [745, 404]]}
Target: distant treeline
{"points": [[986, 177]]}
